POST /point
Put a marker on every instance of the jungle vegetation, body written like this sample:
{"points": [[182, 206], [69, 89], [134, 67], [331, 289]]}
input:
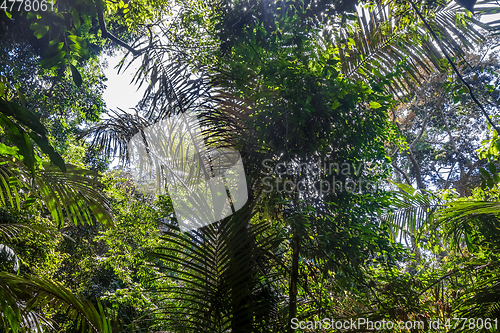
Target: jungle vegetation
{"points": [[387, 109]]}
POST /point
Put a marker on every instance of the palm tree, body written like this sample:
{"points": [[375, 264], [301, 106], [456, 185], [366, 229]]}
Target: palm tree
{"points": [[67, 192]]}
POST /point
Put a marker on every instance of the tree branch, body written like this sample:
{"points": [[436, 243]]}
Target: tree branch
{"points": [[401, 172], [422, 130], [107, 34], [416, 167]]}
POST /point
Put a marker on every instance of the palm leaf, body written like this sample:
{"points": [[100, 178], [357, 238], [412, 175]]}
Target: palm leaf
{"points": [[74, 192], [112, 136], [411, 209], [475, 224], [72, 195], [13, 178], [7, 254], [22, 296], [10, 231], [24, 126], [381, 39], [463, 220], [218, 269]]}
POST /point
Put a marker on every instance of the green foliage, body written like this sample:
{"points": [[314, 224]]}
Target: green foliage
{"points": [[22, 296], [223, 276], [414, 209], [284, 82], [134, 277], [490, 149], [70, 195], [22, 126], [73, 193], [471, 227]]}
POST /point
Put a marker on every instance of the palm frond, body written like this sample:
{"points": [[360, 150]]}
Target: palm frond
{"points": [[463, 221], [12, 227], [112, 136], [14, 180], [475, 224], [23, 126], [8, 255], [411, 209], [174, 86], [222, 276], [23, 296], [9, 231], [458, 210], [483, 300], [381, 39], [73, 195]]}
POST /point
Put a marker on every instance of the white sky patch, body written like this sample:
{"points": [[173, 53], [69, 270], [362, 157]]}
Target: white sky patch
{"points": [[120, 92]]}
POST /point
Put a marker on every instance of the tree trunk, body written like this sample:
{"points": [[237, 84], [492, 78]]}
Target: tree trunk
{"points": [[294, 276]]}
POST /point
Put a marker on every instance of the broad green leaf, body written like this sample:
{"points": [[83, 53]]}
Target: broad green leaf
{"points": [[77, 78], [7, 150], [54, 156], [39, 33], [492, 168], [490, 182], [484, 172]]}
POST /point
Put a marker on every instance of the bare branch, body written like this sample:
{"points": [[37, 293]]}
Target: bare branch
{"points": [[107, 34], [402, 172]]}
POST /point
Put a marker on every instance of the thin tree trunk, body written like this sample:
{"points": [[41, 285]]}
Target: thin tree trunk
{"points": [[416, 168], [294, 276]]}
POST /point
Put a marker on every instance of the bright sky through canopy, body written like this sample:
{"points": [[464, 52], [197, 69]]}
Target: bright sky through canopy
{"points": [[120, 91]]}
